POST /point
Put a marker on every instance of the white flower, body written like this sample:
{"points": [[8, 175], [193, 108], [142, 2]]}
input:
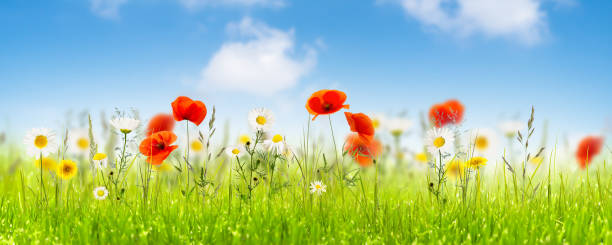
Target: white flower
{"points": [[439, 140], [398, 126], [100, 160], [484, 141], [234, 151], [317, 187], [79, 141], [100, 193], [378, 120], [276, 144], [510, 128], [125, 124], [261, 119], [40, 141], [196, 145]]}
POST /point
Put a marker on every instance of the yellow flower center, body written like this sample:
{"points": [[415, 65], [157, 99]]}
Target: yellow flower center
{"points": [[397, 132], [82, 143], [481, 143], [421, 157], [318, 186], [376, 123], [196, 145], [536, 160], [277, 138], [99, 156], [100, 193], [40, 141], [439, 142], [261, 120], [235, 151]]}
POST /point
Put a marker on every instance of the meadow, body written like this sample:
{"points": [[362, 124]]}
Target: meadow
{"points": [[174, 179]]}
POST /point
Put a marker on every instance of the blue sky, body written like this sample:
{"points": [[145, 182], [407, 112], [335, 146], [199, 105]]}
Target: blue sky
{"points": [[390, 56]]}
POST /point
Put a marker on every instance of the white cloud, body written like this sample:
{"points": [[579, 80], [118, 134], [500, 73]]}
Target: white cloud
{"points": [[263, 63], [523, 20], [195, 4], [106, 8]]}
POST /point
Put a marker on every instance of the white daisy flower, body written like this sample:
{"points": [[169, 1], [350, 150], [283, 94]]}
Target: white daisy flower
{"points": [[261, 119], [484, 141], [196, 146], [100, 193], [79, 141], [510, 128], [276, 144], [40, 141], [125, 124], [317, 187], [398, 126], [234, 151], [100, 160], [439, 140], [378, 120]]}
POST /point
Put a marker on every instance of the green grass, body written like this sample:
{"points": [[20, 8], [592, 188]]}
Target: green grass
{"points": [[568, 208]]}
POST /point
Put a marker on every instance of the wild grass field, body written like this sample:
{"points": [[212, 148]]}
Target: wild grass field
{"points": [[130, 181]]}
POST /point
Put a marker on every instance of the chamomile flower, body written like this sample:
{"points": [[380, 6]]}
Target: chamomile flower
{"points": [[421, 157], [196, 144], [439, 140], [40, 141], [276, 144], [100, 160], [317, 187], [234, 151], [125, 124], [261, 119], [378, 120], [79, 141], [66, 169], [398, 126], [100, 193], [484, 141], [510, 128]]}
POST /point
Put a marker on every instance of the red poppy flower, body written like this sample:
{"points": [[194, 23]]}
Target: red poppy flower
{"points": [[157, 147], [361, 124], [160, 122], [184, 108], [324, 102], [449, 112], [588, 148], [362, 151]]}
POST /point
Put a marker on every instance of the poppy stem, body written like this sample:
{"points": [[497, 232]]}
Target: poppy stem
{"points": [[187, 158], [338, 163]]}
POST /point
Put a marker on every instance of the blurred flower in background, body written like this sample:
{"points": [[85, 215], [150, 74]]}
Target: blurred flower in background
{"points": [[588, 148], [78, 142], [510, 128]]}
